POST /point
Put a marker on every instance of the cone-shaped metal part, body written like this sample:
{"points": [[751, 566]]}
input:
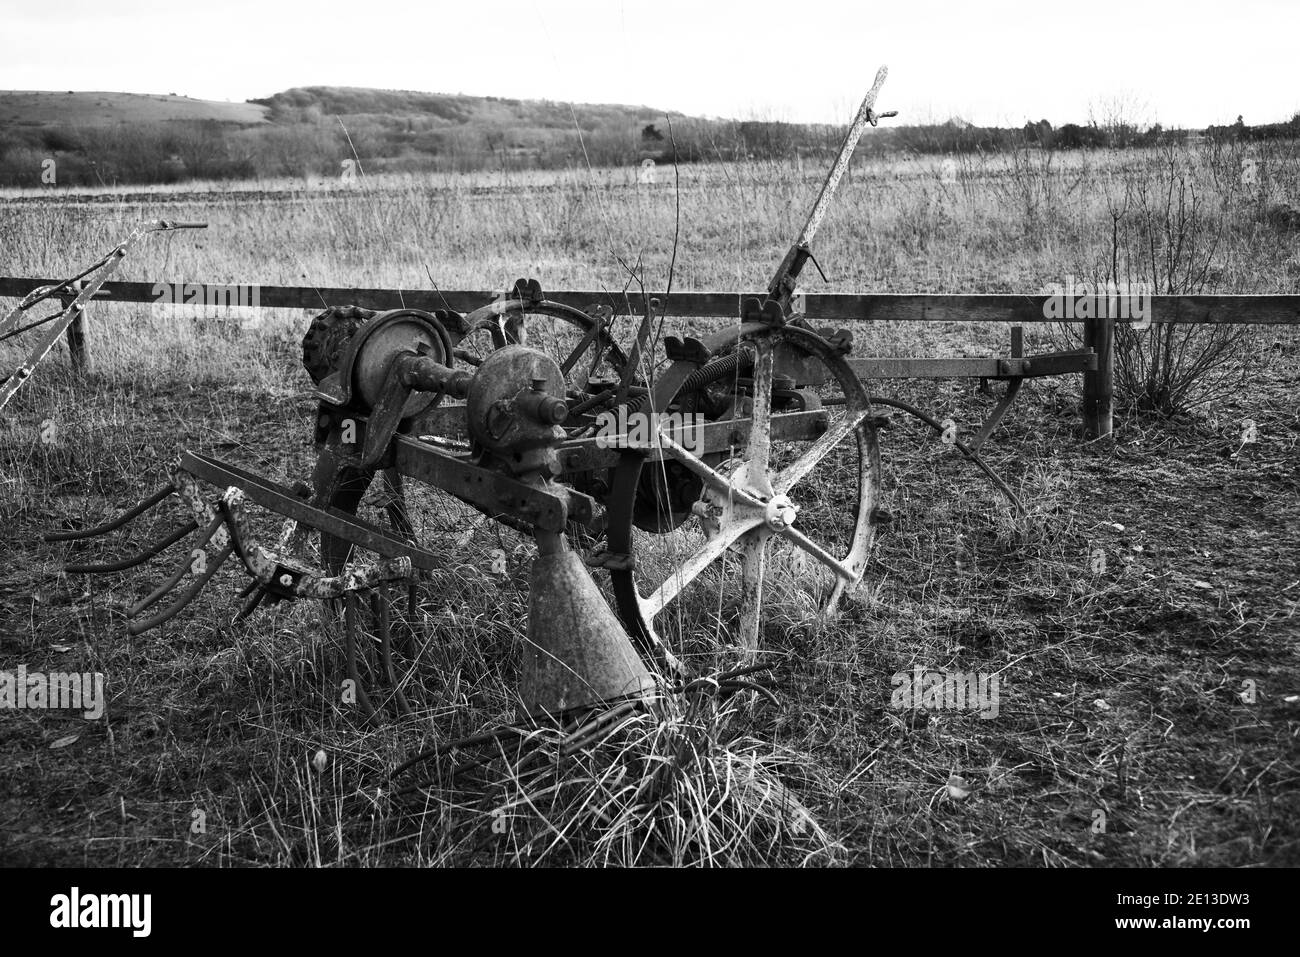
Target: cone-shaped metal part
{"points": [[577, 652]]}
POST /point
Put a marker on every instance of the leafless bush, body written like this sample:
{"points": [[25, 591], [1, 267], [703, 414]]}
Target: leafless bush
{"points": [[1031, 182], [1165, 234]]}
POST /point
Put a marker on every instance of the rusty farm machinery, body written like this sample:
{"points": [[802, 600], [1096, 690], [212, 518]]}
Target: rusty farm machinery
{"points": [[671, 467], [72, 294]]}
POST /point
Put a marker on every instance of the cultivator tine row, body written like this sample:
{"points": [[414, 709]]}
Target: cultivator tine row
{"points": [[226, 531]]}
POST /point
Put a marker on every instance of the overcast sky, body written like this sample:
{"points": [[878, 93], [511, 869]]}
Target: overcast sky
{"points": [[999, 62]]}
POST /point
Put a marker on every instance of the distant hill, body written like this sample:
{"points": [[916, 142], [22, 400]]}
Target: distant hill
{"points": [[396, 129], [134, 138], [450, 108], [108, 138], [53, 108]]}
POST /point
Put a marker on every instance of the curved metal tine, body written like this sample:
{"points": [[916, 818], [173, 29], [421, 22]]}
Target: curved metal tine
{"points": [[186, 562], [961, 446], [409, 637], [243, 546], [350, 649], [251, 595], [259, 592], [250, 603], [139, 628], [79, 533], [379, 605], [138, 559]]}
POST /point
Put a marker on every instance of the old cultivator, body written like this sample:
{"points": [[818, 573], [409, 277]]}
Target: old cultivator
{"points": [[761, 461]]}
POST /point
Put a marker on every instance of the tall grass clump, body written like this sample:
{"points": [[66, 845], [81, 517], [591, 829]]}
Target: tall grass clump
{"points": [[686, 781]]}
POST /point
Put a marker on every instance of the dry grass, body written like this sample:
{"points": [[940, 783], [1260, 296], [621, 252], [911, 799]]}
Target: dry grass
{"points": [[224, 719]]}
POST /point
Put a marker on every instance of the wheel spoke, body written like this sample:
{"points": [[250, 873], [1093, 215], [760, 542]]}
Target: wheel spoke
{"points": [[567, 365], [753, 565], [758, 450], [593, 340], [711, 477], [691, 568], [792, 474], [801, 540]]}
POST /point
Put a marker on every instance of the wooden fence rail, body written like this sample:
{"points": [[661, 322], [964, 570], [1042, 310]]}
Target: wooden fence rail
{"points": [[1018, 310], [866, 307]]}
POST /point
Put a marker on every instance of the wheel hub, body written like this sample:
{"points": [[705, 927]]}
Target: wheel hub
{"points": [[780, 513]]}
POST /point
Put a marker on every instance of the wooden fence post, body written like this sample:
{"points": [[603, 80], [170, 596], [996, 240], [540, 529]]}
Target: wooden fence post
{"points": [[1099, 386], [77, 332]]}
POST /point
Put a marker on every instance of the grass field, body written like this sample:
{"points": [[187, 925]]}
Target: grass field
{"points": [[1125, 736]]}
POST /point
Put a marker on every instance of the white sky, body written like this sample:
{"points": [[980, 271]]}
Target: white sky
{"points": [[993, 62]]}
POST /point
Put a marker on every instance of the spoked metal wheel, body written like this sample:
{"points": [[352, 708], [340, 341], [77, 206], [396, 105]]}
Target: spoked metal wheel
{"points": [[590, 359], [777, 524], [595, 368]]}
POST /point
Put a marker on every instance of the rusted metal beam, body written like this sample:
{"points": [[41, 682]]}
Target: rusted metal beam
{"points": [[491, 490], [585, 455], [73, 302], [279, 499], [1025, 367], [866, 116]]}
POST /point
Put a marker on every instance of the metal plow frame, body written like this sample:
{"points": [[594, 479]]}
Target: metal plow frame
{"points": [[532, 462]]}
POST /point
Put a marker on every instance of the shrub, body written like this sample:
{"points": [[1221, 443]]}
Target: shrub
{"points": [[1164, 235]]}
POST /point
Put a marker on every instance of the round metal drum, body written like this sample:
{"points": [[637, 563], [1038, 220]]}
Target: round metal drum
{"points": [[391, 335]]}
